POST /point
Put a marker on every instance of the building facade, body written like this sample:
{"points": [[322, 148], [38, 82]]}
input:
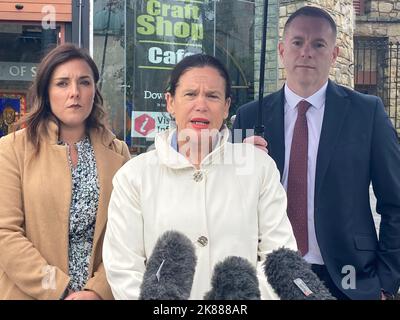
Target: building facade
{"points": [[377, 52], [135, 44], [28, 30]]}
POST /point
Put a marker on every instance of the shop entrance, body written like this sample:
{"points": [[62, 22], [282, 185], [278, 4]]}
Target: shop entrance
{"points": [[22, 47]]}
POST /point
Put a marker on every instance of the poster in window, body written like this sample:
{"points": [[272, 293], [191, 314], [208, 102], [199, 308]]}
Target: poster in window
{"points": [[12, 107], [165, 32]]}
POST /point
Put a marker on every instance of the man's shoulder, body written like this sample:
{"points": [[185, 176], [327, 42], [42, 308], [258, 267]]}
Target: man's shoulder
{"points": [[253, 105], [354, 95]]}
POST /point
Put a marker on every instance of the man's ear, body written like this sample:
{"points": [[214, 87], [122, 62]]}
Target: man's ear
{"points": [[280, 49], [335, 54]]}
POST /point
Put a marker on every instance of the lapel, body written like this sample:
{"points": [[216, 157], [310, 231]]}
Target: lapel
{"points": [[336, 108], [60, 171], [107, 162], [62, 198], [275, 127], [56, 186]]}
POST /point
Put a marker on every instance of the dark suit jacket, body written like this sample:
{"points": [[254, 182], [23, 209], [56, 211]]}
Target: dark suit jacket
{"points": [[358, 144]]}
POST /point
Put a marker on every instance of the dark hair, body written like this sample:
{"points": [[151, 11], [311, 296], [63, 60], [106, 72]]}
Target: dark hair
{"points": [[199, 60], [309, 11], [38, 96]]}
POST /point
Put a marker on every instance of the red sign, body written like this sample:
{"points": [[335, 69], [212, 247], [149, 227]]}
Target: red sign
{"points": [[144, 124]]}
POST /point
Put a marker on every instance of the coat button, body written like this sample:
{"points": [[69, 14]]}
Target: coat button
{"points": [[203, 241], [198, 176]]}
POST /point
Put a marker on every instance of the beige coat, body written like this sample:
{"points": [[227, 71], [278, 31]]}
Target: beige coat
{"points": [[35, 198]]}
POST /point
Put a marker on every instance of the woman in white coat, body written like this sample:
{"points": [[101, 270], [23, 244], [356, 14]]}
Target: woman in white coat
{"points": [[226, 198]]}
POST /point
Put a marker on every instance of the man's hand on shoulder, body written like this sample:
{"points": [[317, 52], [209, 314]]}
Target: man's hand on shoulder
{"points": [[258, 142]]}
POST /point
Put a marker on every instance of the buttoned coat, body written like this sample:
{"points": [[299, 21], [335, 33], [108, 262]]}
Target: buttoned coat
{"points": [[35, 199], [234, 205]]}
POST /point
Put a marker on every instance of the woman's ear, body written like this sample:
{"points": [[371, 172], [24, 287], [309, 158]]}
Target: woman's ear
{"points": [[226, 107], [170, 103]]}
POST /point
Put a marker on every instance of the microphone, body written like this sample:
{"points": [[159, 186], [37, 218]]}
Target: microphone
{"points": [[170, 269], [234, 279], [292, 278]]}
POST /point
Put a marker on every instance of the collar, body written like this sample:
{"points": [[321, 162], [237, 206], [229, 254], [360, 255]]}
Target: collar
{"points": [[168, 155], [174, 141], [317, 100], [85, 139], [96, 135]]}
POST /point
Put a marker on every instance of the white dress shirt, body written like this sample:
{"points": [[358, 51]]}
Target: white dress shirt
{"points": [[314, 116]]}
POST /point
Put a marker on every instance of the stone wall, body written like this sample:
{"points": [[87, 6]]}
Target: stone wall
{"points": [[271, 57], [381, 10], [382, 20]]}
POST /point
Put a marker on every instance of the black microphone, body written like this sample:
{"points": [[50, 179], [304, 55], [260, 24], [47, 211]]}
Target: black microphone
{"points": [[170, 269], [234, 279], [292, 278]]}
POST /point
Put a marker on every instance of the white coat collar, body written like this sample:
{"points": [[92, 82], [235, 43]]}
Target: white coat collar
{"points": [[173, 159]]}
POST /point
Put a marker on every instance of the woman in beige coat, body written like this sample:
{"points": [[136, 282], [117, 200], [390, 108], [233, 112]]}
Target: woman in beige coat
{"points": [[55, 186]]}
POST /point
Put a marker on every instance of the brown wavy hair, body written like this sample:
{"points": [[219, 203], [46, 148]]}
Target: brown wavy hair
{"points": [[38, 96]]}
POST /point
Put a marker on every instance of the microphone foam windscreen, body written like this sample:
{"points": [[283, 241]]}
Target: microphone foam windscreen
{"points": [[234, 279], [170, 269], [292, 278]]}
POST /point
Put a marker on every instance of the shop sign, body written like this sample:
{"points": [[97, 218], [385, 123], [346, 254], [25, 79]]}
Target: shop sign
{"points": [[165, 33], [17, 71], [148, 124]]}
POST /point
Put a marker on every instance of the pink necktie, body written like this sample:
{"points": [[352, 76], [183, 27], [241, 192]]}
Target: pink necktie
{"points": [[297, 179]]}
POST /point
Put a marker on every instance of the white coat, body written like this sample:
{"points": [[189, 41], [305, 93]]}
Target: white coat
{"points": [[238, 204]]}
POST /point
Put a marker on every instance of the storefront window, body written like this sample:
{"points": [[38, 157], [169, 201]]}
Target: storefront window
{"points": [[109, 54], [22, 48], [137, 43]]}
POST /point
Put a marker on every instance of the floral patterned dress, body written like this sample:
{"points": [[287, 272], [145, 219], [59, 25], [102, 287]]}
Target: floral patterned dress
{"points": [[82, 219]]}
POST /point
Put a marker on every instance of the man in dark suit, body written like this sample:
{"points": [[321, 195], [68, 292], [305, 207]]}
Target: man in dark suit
{"points": [[329, 143]]}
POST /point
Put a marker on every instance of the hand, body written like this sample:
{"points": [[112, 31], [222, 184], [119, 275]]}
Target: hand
{"points": [[258, 142], [386, 296], [83, 295]]}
